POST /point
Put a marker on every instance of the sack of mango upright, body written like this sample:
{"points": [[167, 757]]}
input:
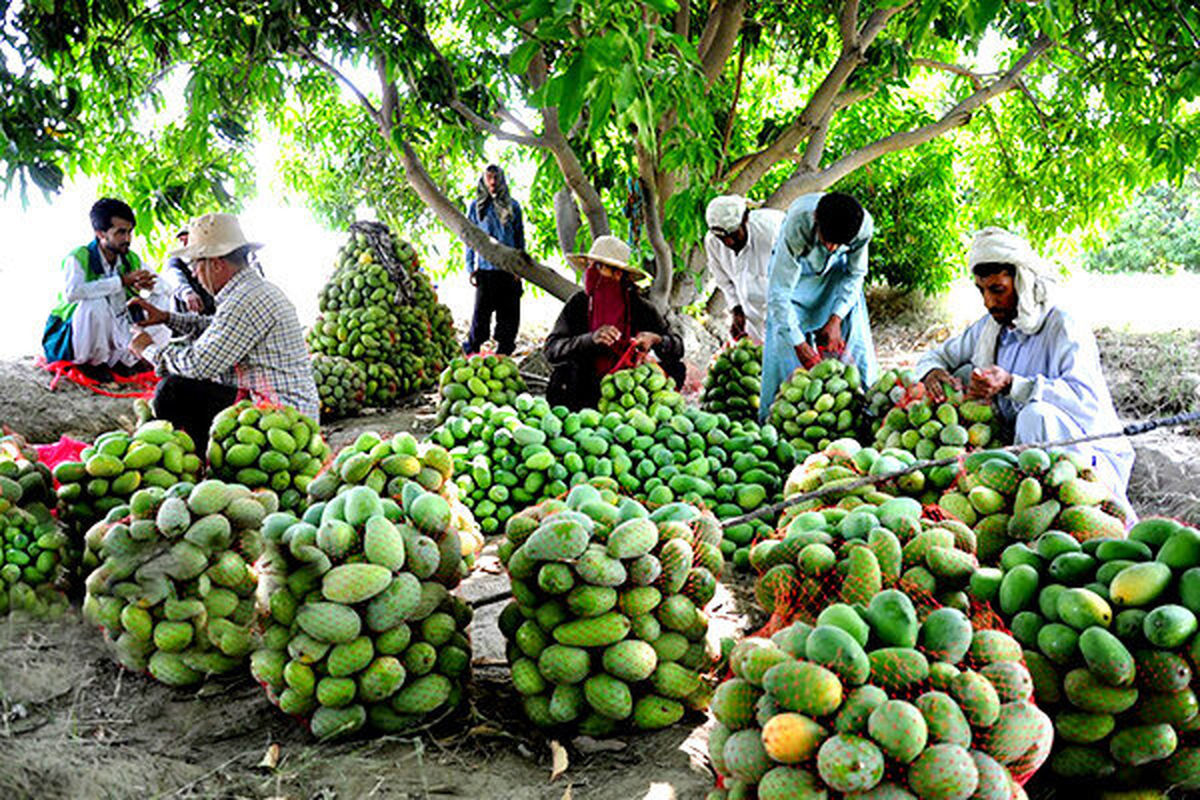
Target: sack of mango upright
{"points": [[174, 591], [363, 631], [606, 629]]}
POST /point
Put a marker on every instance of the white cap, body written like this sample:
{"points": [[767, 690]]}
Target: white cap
{"points": [[726, 212]]}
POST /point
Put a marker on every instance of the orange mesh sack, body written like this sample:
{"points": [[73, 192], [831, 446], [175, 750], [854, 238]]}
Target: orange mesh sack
{"points": [[363, 631], [1108, 627], [897, 696], [1010, 498], [174, 588], [816, 406], [607, 629]]}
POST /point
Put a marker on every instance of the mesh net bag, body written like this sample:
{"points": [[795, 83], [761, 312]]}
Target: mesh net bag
{"points": [[478, 379], [733, 383], [607, 629], [815, 406], [174, 588], [341, 384]]}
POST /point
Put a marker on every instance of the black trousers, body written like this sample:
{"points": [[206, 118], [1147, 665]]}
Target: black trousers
{"points": [[499, 292], [191, 404]]}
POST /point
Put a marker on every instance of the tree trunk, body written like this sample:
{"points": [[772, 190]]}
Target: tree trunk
{"points": [[566, 220]]}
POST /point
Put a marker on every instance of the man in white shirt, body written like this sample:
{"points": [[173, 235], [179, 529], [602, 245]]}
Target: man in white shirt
{"points": [[738, 245]]}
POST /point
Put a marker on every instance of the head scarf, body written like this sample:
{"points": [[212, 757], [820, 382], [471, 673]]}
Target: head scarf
{"points": [[502, 201], [608, 304], [1032, 283], [726, 212]]}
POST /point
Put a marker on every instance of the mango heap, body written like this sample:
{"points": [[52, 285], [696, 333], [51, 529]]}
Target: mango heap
{"points": [[341, 383], [1016, 498], [379, 310], [363, 631], [643, 387], [842, 463], [889, 390], [117, 464], [476, 380], [814, 407], [34, 552], [19, 462], [265, 446], [174, 589], [887, 698], [734, 382], [606, 627], [1109, 630]]}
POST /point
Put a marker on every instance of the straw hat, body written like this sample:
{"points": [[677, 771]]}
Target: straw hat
{"points": [[213, 236], [607, 250]]}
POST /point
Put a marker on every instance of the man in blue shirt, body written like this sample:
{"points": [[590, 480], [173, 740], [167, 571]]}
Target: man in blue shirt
{"points": [[496, 290]]}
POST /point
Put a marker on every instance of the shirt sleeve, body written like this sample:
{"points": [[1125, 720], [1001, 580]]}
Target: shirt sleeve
{"points": [[473, 218], [80, 288], [783, 275], [951, 354], [225, 341], [1077, 377], [565, 341], [856, 256], [716, 265]]}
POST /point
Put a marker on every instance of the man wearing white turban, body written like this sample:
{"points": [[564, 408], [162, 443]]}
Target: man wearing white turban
{"points": [[738, 245], [1039, 366]]}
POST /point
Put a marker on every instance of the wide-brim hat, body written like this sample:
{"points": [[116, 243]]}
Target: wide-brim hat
{"points": [[607, 250], [212, 236]]}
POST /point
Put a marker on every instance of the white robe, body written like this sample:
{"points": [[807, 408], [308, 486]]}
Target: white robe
{"points": [[100, 326], [742, 277]]}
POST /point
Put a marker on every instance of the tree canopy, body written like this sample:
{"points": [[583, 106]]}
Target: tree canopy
{"points": [[636, 113]]}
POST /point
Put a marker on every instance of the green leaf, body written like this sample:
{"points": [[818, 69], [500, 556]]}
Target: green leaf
{"points": [[570, 102], [663, 7], [601, 104], [982, 12], [522, 55]]}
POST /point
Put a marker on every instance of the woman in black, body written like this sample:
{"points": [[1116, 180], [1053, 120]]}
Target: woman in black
{"points": [[598, 325]]}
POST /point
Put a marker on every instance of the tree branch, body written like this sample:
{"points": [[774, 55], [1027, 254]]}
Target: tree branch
{"points": [[467, 113], [664, 262], [848, 22], [307, 53], [974, 77], [808, 181], [719, 36], [737, 93]]}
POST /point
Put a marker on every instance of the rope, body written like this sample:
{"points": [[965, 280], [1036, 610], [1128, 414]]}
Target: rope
{"points": [[1132, 429], [379, 237]]}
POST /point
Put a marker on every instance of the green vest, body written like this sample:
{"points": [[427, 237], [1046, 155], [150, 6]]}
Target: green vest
{"points": [[93, 270]]}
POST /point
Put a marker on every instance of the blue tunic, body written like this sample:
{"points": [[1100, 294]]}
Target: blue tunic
{"points": [[806, 285], [512, 234]]}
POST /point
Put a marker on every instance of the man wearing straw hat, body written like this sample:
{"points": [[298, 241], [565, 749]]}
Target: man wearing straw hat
{"points": [[738, 245], [602, 324], [253, 344], [1038, 365]]}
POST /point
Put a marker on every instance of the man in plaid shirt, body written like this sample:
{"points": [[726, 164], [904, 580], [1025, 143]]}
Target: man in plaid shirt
{"points": [[253, 344]]}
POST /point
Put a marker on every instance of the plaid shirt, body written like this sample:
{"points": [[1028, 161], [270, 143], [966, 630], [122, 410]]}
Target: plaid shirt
{"points": [[253, 342]]}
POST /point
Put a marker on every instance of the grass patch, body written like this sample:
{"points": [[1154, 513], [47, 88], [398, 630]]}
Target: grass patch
{"points": [[1151, 374]]}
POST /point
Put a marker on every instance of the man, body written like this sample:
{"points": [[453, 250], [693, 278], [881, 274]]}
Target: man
{"points": [[496, 290], [90, 325], [253, 343], [738, 245], [1039, 366], [187, 293], [815, 291]]}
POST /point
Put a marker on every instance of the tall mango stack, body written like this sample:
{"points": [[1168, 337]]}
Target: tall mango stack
{"points": [[643, 387], [341, 384], [35, 556], [117, 464], [174, 591], [854, 554], [606, 627], [476, 380], [814, 407], [1015, 498], [363, 632], [888, 391], [1109, 631], [884, 700], [734, 381], [266, 446]]}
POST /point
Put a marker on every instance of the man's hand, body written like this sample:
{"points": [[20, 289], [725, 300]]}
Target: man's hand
{"points": [[737, 325], [194, 302], [645, 340], [606, 335], [474, 278], [933, 381], [988, 382], [140, 343], [153, 314], [831, 333], [138, 279], [807, 354]]}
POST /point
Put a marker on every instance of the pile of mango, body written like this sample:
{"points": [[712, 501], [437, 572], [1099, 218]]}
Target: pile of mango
{"points": [[1015, 498], [19, 462], [399, 346], [734, 381], [888, 391], [363, 632], [341, 383], [642, 387], [1108, 627], [35, 556], [117, 464], [267, 446], [174, 589], [476, 380], [814, 407], [606, 628], [886, 699], [844, 462]]}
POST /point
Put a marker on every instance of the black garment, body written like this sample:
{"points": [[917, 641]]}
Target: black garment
{"points": [[191, 404], [186, 278], [572, 353], [498, 291]]}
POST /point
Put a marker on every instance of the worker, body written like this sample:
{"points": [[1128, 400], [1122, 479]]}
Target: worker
{"points": [[738, 246]]}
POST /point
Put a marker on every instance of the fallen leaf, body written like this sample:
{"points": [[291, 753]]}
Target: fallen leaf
{"points": [[558, 759], [588, 745], [270, 759], [567, 793]]}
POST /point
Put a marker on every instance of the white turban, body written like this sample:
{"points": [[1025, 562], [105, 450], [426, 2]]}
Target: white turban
{"points": [[726, 212], [1032, 284]]}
